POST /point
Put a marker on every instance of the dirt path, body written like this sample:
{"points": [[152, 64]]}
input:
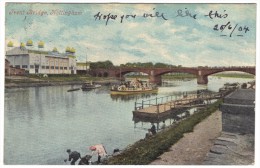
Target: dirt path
{"points": [[193, 147]]}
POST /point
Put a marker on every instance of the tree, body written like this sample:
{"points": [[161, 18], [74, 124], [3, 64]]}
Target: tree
{"points": [[162, 65], [101, 64], [108, 64]]}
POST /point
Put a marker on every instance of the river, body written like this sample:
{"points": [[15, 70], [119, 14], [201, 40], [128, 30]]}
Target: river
{"points": [[41, 123]]}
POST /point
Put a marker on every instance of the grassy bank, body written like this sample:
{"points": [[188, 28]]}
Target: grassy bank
{"points": [[54, 78], [145, 151], [234, 75], [172, 76], [178, 76]]}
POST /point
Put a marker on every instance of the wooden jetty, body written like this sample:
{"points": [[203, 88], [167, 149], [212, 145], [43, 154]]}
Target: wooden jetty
{"points": [[164, 106]]}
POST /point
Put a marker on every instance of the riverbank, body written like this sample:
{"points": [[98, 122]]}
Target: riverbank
{"points": [[146, 151], [56, 80], [23, 81], [234, 75]]}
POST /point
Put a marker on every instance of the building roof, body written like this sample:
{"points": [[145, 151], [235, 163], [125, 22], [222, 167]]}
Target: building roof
{"points": [[17, 51], [243, 94], [241, 97], [25, 51]]}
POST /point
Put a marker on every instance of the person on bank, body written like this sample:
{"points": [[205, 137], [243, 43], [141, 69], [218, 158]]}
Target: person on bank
{"points": [[153, 129], [163, 125], [148, 134], [98, 150], [73, 156], [85, 160]]}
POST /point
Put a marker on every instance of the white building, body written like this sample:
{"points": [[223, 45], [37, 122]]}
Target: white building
{"points": [[42, 62], [83, 66]]}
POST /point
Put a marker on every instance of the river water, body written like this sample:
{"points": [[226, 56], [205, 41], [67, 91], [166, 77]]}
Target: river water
{"points": [[41, 123]]}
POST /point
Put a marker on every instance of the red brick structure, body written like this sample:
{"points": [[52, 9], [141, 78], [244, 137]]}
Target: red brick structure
{"points": [[202, 73], [9, 70]]}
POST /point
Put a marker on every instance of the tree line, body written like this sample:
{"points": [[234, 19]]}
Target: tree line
{"points": [[108, 65]]}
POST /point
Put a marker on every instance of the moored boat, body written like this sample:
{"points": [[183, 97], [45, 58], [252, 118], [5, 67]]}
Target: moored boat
{"points": [[74, 89], [89, 85], [133, 87]]}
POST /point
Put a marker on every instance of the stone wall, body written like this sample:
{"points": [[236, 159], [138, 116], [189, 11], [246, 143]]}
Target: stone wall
{"points": [[238, 112]]}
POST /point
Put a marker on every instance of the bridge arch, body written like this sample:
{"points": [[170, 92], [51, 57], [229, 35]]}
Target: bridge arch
{"points": [[202, 78], [124, 72], [105, 74], [227, 70], [99, 74], [157, 76], [177, 71]]}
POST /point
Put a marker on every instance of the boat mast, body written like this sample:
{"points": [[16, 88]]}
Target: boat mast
{"points": [[120, 74], [86, 64]]}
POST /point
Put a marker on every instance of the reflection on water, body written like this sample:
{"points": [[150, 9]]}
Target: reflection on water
{"points": [[132, 96], [165, 121], [40, 123], [175, 115]]}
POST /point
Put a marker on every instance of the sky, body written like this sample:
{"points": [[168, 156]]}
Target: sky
{"points": [[179, 34]]}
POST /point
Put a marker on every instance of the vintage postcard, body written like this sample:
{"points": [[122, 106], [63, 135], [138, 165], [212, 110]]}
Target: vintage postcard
{"points": [[159, 83]]}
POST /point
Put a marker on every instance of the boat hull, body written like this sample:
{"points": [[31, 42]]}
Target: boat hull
{"points": [[127, 92], [90, 87], [71, 90]]}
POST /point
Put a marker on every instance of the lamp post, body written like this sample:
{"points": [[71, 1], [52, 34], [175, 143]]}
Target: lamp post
{"points": [[22, 47], [86, 65]]}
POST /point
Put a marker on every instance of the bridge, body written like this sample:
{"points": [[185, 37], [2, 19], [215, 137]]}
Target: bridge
{"points": [[155, 74]]}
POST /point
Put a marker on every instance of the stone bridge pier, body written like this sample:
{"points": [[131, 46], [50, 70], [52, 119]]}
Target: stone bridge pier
{"points": [[202, 79], [156, 79]]}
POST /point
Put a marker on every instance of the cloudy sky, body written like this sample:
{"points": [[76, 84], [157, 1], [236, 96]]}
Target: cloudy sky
{"points": [[168, 38]]}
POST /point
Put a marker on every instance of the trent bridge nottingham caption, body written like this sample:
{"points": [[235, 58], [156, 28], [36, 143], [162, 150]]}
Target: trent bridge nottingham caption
{"points": [[201, 73]]}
